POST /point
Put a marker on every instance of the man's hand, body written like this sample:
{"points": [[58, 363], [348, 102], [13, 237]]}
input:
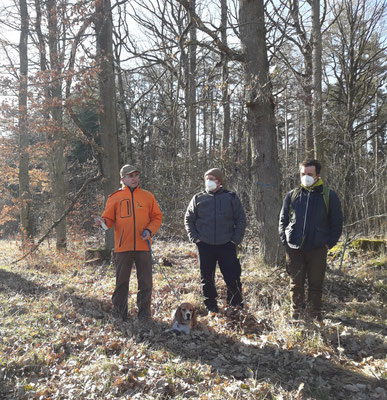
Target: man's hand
{"points": [[145, 234], [99, 221]]}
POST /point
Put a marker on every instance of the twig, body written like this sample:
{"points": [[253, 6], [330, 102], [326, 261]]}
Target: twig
{"points": [[344, 248], [69, 208], [366, 219]]}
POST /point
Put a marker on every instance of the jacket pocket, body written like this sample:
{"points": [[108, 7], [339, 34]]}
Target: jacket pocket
{"points": [[293, 234], [122, 235], [125, 208], [321, 237]]}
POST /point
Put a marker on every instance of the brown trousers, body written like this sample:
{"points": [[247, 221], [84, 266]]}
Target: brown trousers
{"points": [[307, 265], [124, 264]]}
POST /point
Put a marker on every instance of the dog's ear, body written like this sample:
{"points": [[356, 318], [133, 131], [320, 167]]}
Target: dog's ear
{"points": [[178, 317], [194, 317]]}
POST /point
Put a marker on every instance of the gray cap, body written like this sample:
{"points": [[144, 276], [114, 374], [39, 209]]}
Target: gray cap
{"points": [[128, 169]]}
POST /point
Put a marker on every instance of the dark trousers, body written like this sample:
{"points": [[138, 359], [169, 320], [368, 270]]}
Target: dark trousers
{"points": [[230, 267], [307, 265], [124, 263]]}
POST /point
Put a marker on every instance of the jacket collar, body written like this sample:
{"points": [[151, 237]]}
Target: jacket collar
{"points": [[220, 190], [131, 190], [315, 187]]}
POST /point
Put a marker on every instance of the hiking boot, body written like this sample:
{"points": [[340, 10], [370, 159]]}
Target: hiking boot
{"points": [[296, 315], [119, 314], [213, 309], [239, 306], [317, 316], [145, 323], [144, 314]]}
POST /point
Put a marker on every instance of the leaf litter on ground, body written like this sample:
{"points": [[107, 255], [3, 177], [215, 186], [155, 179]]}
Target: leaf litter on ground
{"points": [[59, 340]]}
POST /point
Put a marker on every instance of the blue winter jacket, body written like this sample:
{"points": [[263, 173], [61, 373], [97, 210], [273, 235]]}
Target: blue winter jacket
{"points": [[307, 224], [215, 218]]}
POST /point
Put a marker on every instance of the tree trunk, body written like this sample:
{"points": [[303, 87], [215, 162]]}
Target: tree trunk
{"points": [[376, 137], [56, 109], [107, 113], [124, 113], [261, 127], [317, 78], [24, 183], [192, 87], [299, 134], [308, 101], [225, 77], [286, 128], [206, 119]]}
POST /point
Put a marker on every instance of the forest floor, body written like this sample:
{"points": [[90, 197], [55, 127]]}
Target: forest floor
{"points": [[59, 340]]}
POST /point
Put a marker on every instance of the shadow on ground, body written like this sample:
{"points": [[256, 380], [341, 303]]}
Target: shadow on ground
{"points": [[239, 360], [228, 357]]}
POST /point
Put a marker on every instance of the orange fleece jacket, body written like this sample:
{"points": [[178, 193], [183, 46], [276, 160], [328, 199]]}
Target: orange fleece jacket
{"points": [[131, 213]]}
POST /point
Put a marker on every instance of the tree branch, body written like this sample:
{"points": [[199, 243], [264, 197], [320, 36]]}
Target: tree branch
{"points": [[58, 221], [231, 54]]}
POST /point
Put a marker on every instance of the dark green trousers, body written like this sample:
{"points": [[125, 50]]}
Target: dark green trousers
{"points": [[306, 266], [124, 264]]}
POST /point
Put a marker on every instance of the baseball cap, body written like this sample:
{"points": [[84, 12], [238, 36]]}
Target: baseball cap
{"points": [[128, 169]]}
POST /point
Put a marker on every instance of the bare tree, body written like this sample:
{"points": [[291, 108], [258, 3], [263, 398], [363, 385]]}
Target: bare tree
{"points": [[317, 82], [24, 183], [260, 118], [225, 82], [107, 98], [357, 54], [58, 163], [191, 83], [124, 91], [291, 19], [165, 61], [261, 127]]}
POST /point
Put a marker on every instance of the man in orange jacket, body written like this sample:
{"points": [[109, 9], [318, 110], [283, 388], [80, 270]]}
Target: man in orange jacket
{"points": [[136, 217]]}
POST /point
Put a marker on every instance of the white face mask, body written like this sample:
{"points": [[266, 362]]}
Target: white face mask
{"points": [[210, 185], [307, 180]]}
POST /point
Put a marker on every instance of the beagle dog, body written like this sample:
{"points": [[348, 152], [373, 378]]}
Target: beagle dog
{"points": [[184, 318]]}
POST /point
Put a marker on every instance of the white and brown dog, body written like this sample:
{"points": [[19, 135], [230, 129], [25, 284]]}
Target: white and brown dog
{"points": [[184, 318]]}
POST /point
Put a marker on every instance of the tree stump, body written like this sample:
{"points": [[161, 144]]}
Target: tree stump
{"points": [[96, 256], [375, 245]]}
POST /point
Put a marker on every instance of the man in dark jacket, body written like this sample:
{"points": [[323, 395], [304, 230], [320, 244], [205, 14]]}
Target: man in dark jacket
{"points": [[310, 223], [216, 222]]}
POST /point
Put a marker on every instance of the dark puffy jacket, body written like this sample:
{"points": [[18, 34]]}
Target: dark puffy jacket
{"points": [[307, 224], [215, 218]]}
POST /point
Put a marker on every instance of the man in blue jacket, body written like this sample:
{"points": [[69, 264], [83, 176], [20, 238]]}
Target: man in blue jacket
{"points": [[216, 222], [310, 223]]}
